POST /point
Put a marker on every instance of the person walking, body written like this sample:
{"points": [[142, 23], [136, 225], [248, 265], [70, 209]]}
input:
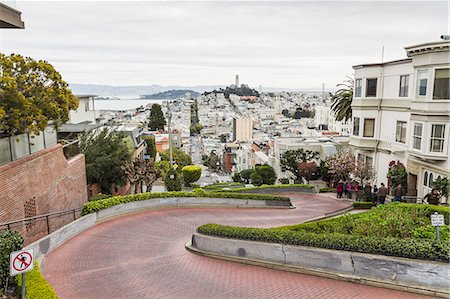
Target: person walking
{"points": [[382, 192], [398, 193], [349, 188], [433, 197], [339, 190]]}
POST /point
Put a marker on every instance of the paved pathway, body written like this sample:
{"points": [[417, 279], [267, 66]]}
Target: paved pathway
{"points": [[143, 256]]}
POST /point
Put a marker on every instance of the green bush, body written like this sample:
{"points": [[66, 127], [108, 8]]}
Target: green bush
{"points": [[95, 206], [99, 196], [267, 174], [256, 179], [191, 173], [395, 229], [173, 180], [363, 205], [36, 286], [9, 241], [327, 190], [262, 187], [284, 181]]}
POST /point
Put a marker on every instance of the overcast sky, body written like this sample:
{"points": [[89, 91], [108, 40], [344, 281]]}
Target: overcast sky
{"points": [[278, 44]]}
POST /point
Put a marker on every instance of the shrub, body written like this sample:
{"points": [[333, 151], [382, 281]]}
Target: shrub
{"points": [[256, 179], [173, 180], [191, 173], [245, 174], [236, 178], [262, 187], [396, 229], [363, 205], [99, 196], [36, 286], [284, 181], [9, 241], [95, 206], [326, 190], [267, 174]]}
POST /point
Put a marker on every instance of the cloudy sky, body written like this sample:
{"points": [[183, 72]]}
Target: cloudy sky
{"points": [[293, 44]]}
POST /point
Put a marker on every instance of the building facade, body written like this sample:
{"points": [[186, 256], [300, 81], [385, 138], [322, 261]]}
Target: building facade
{"points": [[401, 114], [242, 129]]}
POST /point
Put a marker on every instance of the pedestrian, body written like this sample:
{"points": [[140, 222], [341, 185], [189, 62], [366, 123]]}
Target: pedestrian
{"points": [[345, 188], [368, 192], [375, 194], [349, 188], [398, 193], [382, 192], [339, 190], [433, 197]]}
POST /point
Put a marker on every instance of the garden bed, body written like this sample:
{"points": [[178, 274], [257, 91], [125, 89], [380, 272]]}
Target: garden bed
{"points": [[402, 230], [268, 188]]}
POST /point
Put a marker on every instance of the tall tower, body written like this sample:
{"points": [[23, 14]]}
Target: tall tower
{"points": [[237, 81]]}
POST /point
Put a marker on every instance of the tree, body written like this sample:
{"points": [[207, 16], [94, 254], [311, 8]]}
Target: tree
{"points": [[179, 157], [342, 100], [267, 174], [397, 174], [364, 172], [105, 153], [223, 138], [341, 165], [191, 174], [173, 180], [150, 173], [32, 96], [443, 186], [131, 170], [156, 120], [256, 179], [236, 178], [141, 171], [245, 174], [212, 161], [308, 170], [151, 145], [291, 159]]}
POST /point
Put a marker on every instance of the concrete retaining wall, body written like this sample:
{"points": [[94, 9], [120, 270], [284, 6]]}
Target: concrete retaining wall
{"points": [[424, 277], [48, 243]]}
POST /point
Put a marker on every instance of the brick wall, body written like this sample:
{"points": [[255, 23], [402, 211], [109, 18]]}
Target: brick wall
{"points": [[42, 183]]}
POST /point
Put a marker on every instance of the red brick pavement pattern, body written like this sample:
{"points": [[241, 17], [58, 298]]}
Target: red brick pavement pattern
{"points": [[143, 256]]}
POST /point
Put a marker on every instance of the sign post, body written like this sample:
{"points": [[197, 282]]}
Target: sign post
{"points": [[21, 262], [437, 220]]}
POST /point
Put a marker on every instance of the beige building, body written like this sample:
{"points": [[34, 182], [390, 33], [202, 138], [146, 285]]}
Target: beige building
{"points": [[242, 129], [401, 113]]}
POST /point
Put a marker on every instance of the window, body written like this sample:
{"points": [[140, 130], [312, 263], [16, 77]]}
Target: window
{"points": [[441, 89], [356, 126], [417, 136], [404, 84], [422, 81], [400, 132], [86, 105], [371, 88], [437, 138], [369, 125], [358, 87], [369, 161], [425, 178]]}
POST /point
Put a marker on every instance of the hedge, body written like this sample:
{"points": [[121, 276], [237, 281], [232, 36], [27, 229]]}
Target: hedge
{"points": [[95, 206], [9, 241], [327, 190], [401, 237], [262, 187], [363, 205], [36, 285]]}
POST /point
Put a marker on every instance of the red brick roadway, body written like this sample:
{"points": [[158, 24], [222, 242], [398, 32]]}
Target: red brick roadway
{"points": [[143, 256]]}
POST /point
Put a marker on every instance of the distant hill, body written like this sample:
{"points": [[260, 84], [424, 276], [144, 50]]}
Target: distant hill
{"points": [[110, 90], [171, 94], [243, 90]]}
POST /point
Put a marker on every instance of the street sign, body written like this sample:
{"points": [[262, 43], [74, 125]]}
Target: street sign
{"points": [[437, 220], [20, 262]]}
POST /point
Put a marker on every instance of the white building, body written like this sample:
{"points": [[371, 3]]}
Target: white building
{"points": [[85, 113], [242, 129], [401, 112], [322, 114]]}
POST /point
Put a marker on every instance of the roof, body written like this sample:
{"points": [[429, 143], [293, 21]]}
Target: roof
{"points": [[392, 62], [428, 47]]}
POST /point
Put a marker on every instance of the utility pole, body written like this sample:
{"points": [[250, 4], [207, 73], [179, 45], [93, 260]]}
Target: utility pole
{"points": [[169, 114]]}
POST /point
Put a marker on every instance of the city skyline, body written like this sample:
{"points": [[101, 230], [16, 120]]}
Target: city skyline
{"points": [[278, 44]]}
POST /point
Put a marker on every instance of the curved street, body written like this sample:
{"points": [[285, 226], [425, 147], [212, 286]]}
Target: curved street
{"points": [[142, 255]]}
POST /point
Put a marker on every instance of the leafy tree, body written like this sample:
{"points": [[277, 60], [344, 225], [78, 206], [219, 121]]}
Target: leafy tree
{"points": [[32, 95], [150, 173], [236, 178], [156, 119], [443, 186], [223, 138], [291, 159], [342, 100], [141, 171], [324, 171], [364, 172], [105, 153], [286, 113], [151, 145], [267, 174], [397, 174], [300, 113], [211, 161], [173, 180], [341, 165], [308, 170], [245, 174], [191, 174], [179, 157], [256, 179]]}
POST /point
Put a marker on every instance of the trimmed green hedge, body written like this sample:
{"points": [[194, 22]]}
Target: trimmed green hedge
{"points": [[262, 187], [36, 285], [394, 229], [95, 206], [327, 190], [9, 241], [363, 205]]}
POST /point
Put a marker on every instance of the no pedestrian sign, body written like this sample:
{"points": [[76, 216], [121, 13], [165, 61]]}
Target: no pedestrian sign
{"points": [[20, 262]]}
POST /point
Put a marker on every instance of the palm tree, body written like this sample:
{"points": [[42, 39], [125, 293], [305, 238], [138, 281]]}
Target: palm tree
{"points": [[342, 100]]}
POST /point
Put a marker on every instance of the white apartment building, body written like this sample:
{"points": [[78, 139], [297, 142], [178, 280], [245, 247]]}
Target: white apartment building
{"points": [[242, 129], [85, 113], [401, 112], [341, 127], [321, 116]]}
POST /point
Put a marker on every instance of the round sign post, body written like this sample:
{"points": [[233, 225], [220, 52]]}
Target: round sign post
{"points": [[21, 262]]}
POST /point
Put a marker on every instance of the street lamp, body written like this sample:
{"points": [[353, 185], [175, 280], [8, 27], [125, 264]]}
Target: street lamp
{"points": [[169, 116]]}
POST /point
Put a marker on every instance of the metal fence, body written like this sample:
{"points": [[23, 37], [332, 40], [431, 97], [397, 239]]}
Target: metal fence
{"points": [[34, 228]]}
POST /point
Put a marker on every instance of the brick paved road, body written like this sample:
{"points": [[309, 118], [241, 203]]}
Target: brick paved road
{"points": [[143, 256]]}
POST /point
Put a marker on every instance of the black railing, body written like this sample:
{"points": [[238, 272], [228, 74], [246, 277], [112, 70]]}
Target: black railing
{"points": [[71, 149], [28, 222]]}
